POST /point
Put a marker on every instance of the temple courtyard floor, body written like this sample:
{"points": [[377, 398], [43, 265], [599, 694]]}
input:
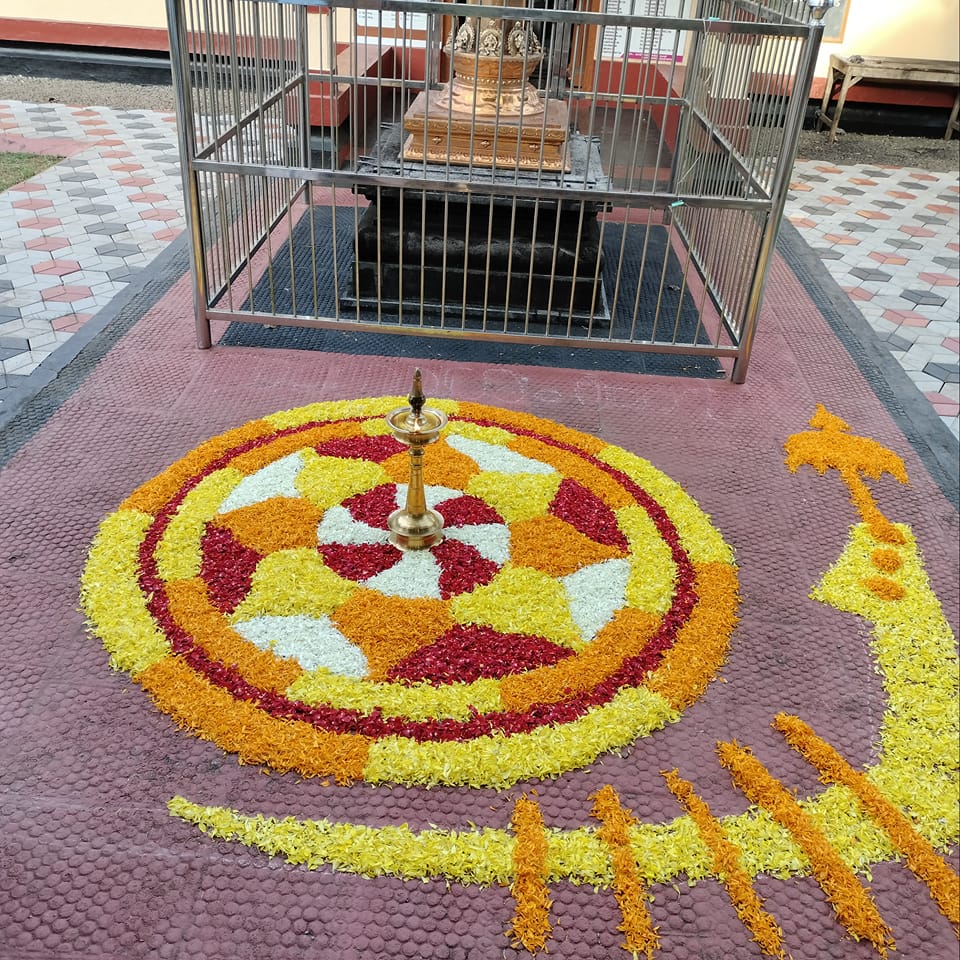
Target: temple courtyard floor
{"points": [[683, 676]]}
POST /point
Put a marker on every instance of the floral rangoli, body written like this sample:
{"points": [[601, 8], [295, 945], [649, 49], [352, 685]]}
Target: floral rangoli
{"points": [[579, 600]]}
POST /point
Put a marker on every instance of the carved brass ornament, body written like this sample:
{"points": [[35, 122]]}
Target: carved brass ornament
{"points": [[489, 114]]}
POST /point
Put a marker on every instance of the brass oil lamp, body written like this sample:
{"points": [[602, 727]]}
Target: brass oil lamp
{"points": [[416, 526]]}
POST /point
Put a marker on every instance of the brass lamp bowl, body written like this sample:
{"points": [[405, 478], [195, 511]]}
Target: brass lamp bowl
{"points": [[411, 428]]}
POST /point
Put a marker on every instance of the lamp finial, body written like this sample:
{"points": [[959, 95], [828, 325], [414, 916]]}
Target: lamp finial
{"points": [[416, 398]]}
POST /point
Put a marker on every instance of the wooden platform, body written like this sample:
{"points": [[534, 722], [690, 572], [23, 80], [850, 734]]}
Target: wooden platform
{"points": [[848, 71]]}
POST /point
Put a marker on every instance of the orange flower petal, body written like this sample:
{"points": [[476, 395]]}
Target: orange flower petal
{"points": [[625, 636], [279, 447], [191, 610], [442, 466], [152, 495], [728, 866], [852, 904], [242, 728], [553, 546], [280, 523], [388, 629], [572, 465], [630, 892], [702, 642], [531, 919], [922, 859], [525, 421]]}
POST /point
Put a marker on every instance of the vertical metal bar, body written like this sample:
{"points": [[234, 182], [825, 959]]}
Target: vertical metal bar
{"points": [[330, 114], [643, 266], [244, 231], [212, 85], [781, 182], [403, 104], [306, 151], [186, 137]]}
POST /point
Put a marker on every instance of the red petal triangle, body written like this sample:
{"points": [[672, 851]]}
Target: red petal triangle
{"points": [[466, 511], [374, 506], [376, 449], [359, 561], [587, 513], [467, 653], [462, 567], [226, 566]]}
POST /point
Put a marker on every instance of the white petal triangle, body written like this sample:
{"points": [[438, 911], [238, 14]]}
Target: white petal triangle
{"points": [[416, 574], [491, 540], [274, 480], [596, 593], [493, 457], [311, 641], [338, 526]]}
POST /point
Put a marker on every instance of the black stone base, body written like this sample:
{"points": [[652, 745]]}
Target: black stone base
{"points": [[481, 255]]}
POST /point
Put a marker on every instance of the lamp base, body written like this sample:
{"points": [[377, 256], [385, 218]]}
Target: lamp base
{"points": [[415, 531]]}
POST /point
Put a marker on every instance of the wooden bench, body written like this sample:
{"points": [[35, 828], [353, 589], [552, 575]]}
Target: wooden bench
{"points": [[850, 70]]}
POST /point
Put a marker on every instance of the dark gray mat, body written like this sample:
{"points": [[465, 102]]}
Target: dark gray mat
{"points": [[289, 287]]}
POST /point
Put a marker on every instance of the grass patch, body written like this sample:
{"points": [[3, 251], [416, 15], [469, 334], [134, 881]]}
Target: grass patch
{"points": [[17, 167]]}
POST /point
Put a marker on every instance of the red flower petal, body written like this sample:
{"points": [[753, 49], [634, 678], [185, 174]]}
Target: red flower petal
{"points": [[377, 449], [359, 561], [374, 506], [461, 567], [467, 653], [587, 513], [227, 567], [466, 511]]}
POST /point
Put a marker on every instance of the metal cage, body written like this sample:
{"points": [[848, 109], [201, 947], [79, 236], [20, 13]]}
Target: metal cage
{"points": [[649, 226]]}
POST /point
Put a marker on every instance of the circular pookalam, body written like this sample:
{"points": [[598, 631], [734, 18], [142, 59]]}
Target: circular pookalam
{"points": [[579, 599]]}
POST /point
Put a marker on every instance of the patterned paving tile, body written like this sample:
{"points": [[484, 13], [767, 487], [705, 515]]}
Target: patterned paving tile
{"points": [[54, 277], [923, 298], [903, 277], [941, 279]]}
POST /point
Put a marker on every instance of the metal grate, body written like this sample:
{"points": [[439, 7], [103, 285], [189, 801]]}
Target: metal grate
{"points": [[631, 203]]}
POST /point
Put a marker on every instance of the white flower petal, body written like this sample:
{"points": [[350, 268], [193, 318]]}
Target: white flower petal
{"points": [[491, 456], [596, 593], [338, 526], [491, 540], [416, 574], [311, 641], [274, 480], [433, 494]]}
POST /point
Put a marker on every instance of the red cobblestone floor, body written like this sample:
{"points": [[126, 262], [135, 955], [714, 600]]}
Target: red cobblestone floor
{"points": [[95, 867]]}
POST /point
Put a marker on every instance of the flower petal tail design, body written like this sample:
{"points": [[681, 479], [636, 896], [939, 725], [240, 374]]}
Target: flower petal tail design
{"points": [[629, 890], [727, 864], [942, 881], [531, 919], [851, 902]]}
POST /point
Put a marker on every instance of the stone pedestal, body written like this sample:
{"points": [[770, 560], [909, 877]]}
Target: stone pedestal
{"points": [[477, 253]]}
